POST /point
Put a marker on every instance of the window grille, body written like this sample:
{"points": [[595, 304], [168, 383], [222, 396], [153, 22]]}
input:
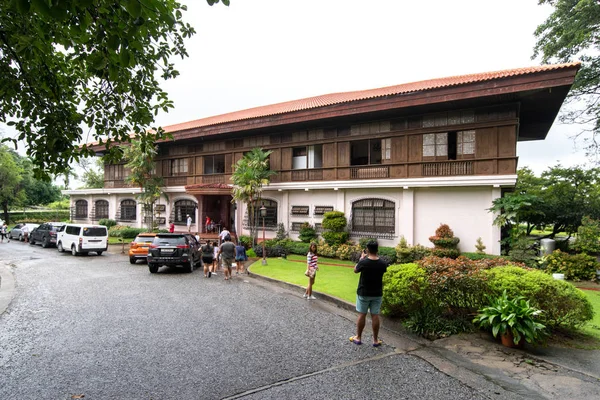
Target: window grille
{"points": [[373, 216], [182, 209], [81, 209], [296, 226], [128, 210], [300, 210], [101, 209], [320, 210]]}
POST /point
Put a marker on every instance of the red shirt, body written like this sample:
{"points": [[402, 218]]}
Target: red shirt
{"points": [[172, 228]]}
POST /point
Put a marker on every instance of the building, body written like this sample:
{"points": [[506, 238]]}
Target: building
{"points": [[398, 161]]}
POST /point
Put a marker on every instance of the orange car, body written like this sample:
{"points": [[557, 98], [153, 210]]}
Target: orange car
{"points": [[138, 249]]}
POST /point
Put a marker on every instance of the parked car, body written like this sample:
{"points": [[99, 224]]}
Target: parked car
{"points": [[45, 234], [16, 233], [174, 249], [82, 238], [138, 249]]}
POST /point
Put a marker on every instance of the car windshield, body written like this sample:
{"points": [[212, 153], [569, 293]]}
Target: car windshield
{"points": [[144, 239], [169, 240], [94, 231]]}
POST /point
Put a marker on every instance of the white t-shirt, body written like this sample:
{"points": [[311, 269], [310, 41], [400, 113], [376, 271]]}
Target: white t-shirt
{"points": [[24, 229], [189, 221], [224, 233]]}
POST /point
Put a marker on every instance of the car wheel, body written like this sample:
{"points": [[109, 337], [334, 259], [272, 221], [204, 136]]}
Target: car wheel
{"points": [[45, 243], [20, 238], [189, 267], [99, 253], [59, 247], [31, 241], [74, 250], [153, 268], [132, 260]]}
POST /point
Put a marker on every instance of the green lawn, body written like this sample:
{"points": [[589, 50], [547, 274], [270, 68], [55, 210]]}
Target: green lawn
{"points": [[116, 240], [593, 327], [322, 260], [333, 280]]}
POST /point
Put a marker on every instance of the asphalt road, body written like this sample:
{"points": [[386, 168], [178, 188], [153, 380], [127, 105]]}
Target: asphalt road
{"points": [[105, 329]]}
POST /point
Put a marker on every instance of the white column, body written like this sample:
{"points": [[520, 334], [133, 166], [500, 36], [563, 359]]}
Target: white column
{"points": [[495, 230], [407, 216], [284, 209]]}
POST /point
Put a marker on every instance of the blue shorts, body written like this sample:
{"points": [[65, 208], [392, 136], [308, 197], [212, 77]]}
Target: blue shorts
{"points": [[366, 303]]}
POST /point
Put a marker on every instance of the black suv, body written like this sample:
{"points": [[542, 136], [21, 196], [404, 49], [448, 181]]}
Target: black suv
{"points": [[45, 234], [174, 249]]}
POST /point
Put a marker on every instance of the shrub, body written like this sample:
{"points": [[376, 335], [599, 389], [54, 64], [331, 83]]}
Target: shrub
{"points": [[335, 238], [326, 250], [107, 222], [479, 246], [404, 286], [124, 231], [300, 248], [250, 253], [432, 323], [479, 256], [334, 221], [307, 233], [522, 250], [387, 254], [281, 233], [272, 249], [588, 236], [575, 267], [445, 243], [408, 254], [345, 251], [363, 242], [245, 241], [562, 303]]}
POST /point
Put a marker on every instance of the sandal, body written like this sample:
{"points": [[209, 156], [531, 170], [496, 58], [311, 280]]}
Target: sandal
{"points": [[377, 343], [354, 340]]}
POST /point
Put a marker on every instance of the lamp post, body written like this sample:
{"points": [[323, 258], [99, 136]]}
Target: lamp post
{"points": [[263, 214]]}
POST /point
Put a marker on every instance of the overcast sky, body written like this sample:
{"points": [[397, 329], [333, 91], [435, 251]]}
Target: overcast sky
{"points": [[260, 52]]}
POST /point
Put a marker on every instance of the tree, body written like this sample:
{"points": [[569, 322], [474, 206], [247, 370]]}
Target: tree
{"points": [[10, 177], [93, 175], [250, 174], [140, 161], [572, 33], [71, 63]]}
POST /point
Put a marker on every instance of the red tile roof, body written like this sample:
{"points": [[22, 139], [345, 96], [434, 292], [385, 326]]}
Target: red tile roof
{"points": [[346, 97]]}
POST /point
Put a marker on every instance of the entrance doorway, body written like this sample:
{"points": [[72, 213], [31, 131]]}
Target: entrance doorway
{"points": [[218, 211]]}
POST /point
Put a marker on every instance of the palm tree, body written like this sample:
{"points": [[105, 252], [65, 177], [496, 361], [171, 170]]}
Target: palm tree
{"points": [[250, 174]]}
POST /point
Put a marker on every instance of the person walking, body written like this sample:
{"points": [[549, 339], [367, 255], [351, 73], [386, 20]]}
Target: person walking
{"points": [[3, 232], [189, 223], [369, 292], [25, 232], [224, 234], [208, 252], [240, 258], [311, 270], [215, 265], [227, 254], [171, 227]]}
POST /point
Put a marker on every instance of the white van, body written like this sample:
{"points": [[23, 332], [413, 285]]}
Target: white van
{"points": [[82, 238]]}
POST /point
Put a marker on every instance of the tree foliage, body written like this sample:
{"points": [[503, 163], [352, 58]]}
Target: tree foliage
{"points": [[93, 173], [10, 179], [140, 162], [250, 174], [572, 33], [71, 63]]}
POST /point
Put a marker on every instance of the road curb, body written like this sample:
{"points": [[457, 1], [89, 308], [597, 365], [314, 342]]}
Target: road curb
{"points": [[7, 288]]}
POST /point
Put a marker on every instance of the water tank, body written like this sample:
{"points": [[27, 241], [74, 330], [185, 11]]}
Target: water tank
{"points": [[547, 246]]}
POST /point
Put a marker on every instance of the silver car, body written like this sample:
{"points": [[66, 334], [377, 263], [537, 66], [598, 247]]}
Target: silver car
{"points": [[17, 233]]}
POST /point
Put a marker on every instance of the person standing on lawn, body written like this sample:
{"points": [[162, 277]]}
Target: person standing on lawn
{"points": [[369, 291], [227, 253], [311, 270]]}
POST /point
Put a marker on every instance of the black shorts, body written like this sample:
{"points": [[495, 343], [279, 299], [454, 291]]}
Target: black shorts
{"points": [[207, 260]]}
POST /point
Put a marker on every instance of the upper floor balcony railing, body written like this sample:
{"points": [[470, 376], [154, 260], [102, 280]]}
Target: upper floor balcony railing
{"points": [[369, 172], [448, 168]]}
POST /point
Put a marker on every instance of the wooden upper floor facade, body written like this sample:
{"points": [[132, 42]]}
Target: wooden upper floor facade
{"points": [[463, 126]]}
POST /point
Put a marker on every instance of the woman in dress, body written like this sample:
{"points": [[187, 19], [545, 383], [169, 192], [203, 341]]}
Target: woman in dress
{"points": [[311, 270]]}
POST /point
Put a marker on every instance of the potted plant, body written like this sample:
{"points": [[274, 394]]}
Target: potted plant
{"points": [[513, 319]]}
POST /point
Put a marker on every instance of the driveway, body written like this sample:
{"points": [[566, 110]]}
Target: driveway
{"points": [[105, 329]]}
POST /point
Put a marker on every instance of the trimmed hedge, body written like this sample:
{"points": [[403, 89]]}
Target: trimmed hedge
{"points": [[38, 217], [576, 267], [125, 232]]}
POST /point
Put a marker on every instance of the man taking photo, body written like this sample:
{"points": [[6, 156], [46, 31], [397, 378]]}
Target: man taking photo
{"points": [[369, 291]]}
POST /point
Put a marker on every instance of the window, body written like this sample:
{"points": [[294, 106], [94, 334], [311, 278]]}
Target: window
{"points": [[271, 218], [81, 209], [182, 209], [296, 226], [114, 172], [320, 210], [95, 231], [465, 141], [300, 210], [307, 157], [435, 144], [214, 164], [73, 230], [374, 216], [179, 166], [102, 209], [128, 210], [369, 152]]}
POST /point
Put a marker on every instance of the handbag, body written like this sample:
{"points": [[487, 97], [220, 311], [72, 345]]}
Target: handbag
{"points": [[310, 272]]}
